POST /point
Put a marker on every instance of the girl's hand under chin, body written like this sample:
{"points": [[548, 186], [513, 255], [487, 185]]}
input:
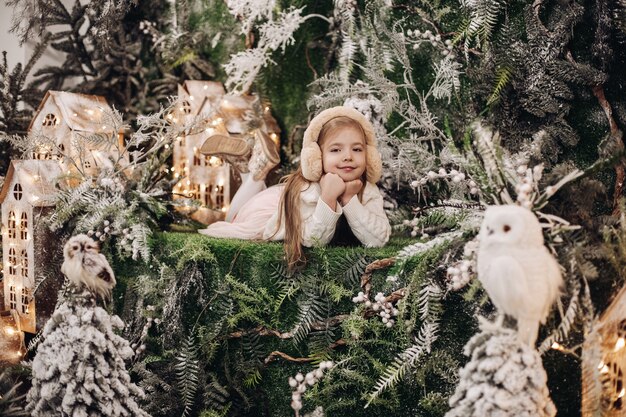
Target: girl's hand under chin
{"points": [[332, 186], [352, 188]]}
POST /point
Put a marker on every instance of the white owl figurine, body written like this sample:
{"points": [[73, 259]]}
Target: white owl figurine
{"points": [[85, 265], [518, 272]]}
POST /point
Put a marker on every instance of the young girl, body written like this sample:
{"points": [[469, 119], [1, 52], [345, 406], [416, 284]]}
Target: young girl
{"points": [[331, 198]]}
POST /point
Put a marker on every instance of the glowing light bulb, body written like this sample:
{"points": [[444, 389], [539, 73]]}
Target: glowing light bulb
{"points": [[206, 87], [556, 346], [192, 98], [622, 393], [10, 331]]}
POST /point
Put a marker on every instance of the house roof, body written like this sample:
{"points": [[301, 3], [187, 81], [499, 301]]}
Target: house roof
{"points": [[81, 112], [37, 178], [203, 92]]}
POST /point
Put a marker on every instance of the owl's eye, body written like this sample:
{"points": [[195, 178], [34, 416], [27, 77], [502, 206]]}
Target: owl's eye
{"points": [[75, 247], [506, 228]]}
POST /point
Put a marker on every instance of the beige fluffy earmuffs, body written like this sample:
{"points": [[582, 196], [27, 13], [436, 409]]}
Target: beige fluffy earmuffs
{"points": [[311, 154]]}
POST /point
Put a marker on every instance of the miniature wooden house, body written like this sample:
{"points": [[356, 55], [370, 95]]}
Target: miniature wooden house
{"points": [[604, 363], [202, 178], [207, 179], [25, 197], [78, 130]]}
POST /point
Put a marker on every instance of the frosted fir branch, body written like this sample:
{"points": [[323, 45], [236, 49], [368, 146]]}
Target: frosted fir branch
{"points": [[483, 17], [447, 79], [429, 300], [243, 68], [279, 33], [562, 331], [250, 11], [420, 247]]}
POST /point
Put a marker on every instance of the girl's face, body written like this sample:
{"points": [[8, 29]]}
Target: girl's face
{"points": [[343, 153]]}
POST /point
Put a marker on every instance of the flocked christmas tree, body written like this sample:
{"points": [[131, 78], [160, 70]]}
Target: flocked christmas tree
{"points": [[79, 368], [504, 377]]}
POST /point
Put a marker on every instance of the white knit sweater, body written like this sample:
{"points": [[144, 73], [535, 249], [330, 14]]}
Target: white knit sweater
{"points": [[366, 218]]}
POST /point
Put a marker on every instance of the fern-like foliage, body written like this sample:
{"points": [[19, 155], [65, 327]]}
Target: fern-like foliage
{"points": [[406, 360], [313, 307], [484, 15], [187, 373], [216, 397], [503, 77]]}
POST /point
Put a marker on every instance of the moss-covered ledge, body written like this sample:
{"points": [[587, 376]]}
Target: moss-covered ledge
{"points": [[235, 327]]}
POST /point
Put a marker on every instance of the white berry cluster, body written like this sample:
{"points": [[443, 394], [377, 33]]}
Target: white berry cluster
{"points": [[460, 273], [412, 224], [453, 175], [417, 38], [528, 179], [149, 28], [112, 184], [126, 236], [139, 347], [102, 232], [384, 309], [299, 383]]}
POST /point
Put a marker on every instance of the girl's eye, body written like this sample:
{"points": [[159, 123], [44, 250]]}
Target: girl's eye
{"points": [[358, 149], [334, 150]]}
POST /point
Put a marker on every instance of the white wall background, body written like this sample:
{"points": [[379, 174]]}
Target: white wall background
{"points": [[21, 53]]}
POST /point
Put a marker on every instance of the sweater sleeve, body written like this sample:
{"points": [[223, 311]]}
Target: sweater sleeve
{"points": [[368, 220], [318, 222]]}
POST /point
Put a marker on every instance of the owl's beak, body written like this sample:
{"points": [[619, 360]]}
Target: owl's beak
{"points": [[489, 231]]}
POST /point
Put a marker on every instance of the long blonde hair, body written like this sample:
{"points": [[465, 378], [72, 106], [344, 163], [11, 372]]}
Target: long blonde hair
{"points": [[289, 206]]}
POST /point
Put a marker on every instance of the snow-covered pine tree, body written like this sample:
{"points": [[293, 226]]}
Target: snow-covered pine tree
{"points": [[504, 378], [79, 368]]}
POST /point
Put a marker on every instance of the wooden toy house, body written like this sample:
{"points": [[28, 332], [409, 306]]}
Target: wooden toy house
{"points": [[202, 178], [28, 246], [208, 178], [77, 129]]}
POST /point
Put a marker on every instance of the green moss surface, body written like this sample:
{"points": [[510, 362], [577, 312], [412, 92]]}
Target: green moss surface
{"points": [[238, 297]]}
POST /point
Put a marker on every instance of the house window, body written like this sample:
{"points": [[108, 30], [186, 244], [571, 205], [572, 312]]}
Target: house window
{"points": [[50, 120], [185, 107], [24, 263], [12, 261], [24, 226], [12, 298], [12, 232], [196, 159], [17, 191], [219, 196], [25, 300], [87, 164], [206, 200]]}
